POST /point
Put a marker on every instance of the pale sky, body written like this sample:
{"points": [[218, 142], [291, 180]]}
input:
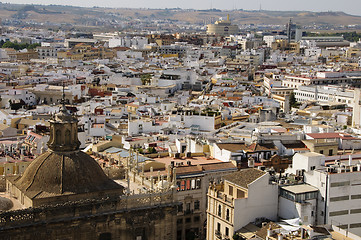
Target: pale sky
{"points": [[348, 6]]}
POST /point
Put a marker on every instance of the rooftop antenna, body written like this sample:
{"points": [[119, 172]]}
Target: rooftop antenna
{"points": [[260, 7]]}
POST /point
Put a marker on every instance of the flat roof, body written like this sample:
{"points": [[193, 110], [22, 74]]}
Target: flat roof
{"points": [[302, 188]]}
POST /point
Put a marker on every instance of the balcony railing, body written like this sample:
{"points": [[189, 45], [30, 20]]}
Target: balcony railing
{"points": [[218, 234]]}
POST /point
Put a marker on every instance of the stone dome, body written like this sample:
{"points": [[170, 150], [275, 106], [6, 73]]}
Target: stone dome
{"points": [[57, 174], [5, 204]]}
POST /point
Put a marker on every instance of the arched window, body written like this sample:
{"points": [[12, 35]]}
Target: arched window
{"points": [[67, 136], [58, 137], [227, 215]]}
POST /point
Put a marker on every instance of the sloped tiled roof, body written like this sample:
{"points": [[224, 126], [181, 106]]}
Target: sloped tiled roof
{"points": [[244, 177], [233, 147], [262, 147]]}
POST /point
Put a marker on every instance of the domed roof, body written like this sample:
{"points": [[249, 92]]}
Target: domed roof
{"points": [[57, 173]]}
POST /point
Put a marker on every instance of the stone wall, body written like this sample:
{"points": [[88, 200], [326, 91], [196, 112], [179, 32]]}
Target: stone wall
{"points": [[150, 216]]}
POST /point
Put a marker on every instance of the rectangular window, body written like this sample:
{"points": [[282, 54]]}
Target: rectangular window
{"points": [[198, 184], [355, 211], [193, 183], [183, 185], [179, 234], [340, 184], [188, 184], [196, 219], [341, 198], [188, 207], [219, 227], [180, 207], [240, 194], [196, 205], [227, 231], [338, 213], [358, 196], [330, 152], [230, 190], [355, 225]]}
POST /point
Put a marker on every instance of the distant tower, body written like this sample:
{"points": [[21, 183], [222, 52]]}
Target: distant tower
{"points": [[289, 30]]}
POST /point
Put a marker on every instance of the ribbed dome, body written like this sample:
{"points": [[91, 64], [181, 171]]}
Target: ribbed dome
{"points": [[56, 174]]}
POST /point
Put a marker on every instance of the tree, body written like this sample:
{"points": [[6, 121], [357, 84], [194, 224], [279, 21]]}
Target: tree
{"points": [[140, 150], [151, 150], [34, 45], [293, 101], [146, 78], [8, 44]]}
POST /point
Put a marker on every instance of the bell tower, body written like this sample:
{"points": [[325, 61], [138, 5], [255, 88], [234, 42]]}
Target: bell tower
{"points": [[63, 130]]}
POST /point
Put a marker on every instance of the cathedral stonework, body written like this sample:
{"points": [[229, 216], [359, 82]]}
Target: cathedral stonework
{"points": [[64, 132]]}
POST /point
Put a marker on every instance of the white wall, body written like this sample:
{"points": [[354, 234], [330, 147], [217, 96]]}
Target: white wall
{"points": [[307, 160], [262, 201], [288, 210]]}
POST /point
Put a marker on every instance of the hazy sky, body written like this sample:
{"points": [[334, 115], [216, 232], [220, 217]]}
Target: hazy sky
{"points": [[348, 6]]}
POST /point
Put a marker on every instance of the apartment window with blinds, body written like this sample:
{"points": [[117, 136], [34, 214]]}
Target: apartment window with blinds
{"points": [[355, 211], [340, 184], [341, 198], [358, 196], [338, 213]]}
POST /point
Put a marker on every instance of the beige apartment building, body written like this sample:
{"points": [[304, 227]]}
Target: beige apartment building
{"points": [[242, 197]]}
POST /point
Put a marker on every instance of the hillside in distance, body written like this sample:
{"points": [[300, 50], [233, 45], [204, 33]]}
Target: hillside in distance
{"points": [[57, 14]]}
